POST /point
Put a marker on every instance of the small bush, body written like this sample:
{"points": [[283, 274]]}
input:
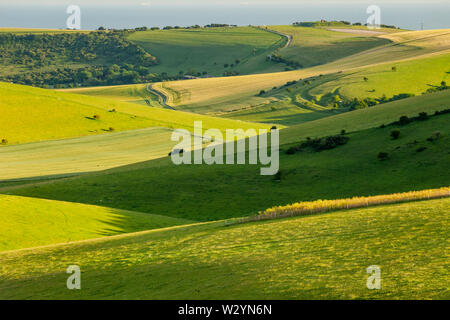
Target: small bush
{"points": [[423, 116], [435, 136], [273, 128], [273, 108], [262, 92], [291, 150], [343, 132], [111, 129], [112, 110], [4, 141], [395, 134], [421, 149], [383, 126], [404, 120], [96, 117], [383, 156]]}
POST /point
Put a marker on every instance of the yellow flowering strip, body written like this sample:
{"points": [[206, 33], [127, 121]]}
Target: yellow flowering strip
{"points": [[319, 206]]}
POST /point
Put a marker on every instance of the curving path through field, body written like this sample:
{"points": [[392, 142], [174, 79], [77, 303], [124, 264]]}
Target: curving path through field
{"points": [[161, 95]]}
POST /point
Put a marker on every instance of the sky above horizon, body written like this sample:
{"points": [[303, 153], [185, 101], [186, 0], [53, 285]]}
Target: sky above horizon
{"points": [[408, 14], [212, 2]]}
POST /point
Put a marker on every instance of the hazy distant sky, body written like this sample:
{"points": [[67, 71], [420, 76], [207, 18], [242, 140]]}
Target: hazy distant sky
{"points": [[210, 2], [410, 14]]}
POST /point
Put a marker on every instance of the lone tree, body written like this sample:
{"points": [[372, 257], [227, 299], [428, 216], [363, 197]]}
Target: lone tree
{"points": [[366, 79], [395, 134], [394, 68]]}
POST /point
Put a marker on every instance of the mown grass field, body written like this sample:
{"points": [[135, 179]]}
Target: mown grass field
{"points": [[315, 257], [28, 222], [160, 187], [209, 49]]}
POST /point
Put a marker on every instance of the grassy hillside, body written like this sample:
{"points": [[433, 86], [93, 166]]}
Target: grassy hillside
{"points": [[209, 49], [21, 163], [315, 98], [230, 191], [45, 110], [136, 93], [315, 257], [31, 114], [28, 222], [382, 80], [226, 94], [314, 46]]}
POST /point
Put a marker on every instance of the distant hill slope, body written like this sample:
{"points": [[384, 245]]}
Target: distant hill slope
{"points": [[210, 49], [317, 257], [28, 222], [314, 46], [214, 192], [232, 93]]}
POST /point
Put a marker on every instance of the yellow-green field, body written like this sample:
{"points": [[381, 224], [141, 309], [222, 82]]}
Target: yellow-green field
{"points": [[32, 114], [315, 257], [80, 155], [136, 93], [29, 222]]}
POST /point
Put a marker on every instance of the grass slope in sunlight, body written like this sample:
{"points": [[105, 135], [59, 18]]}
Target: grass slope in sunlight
{"points": [[32, 114], [210, 49], [136, 93], [28, 222], [314, 46], [315, 257], [205, 193]]}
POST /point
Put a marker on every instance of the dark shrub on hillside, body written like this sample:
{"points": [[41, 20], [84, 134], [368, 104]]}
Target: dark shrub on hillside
{"points": [[423, 116], [292, 150], [383, 156], [421, 149], [4, 141], [395, 134], [404, 120], [436, 135], [320, 144], [343, 132], [96, 117], [262, 92], [273, 128]]}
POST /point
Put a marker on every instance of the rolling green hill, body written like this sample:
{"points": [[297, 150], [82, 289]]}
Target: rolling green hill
{"points": [[209, 49], [136, 93], [315, 257], [28, 222], [315, 46], [227, 94], [230, 191], [46, 110]]}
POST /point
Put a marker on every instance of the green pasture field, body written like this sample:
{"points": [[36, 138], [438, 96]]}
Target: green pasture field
{"points": [[314, 257], [28, 222]]}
